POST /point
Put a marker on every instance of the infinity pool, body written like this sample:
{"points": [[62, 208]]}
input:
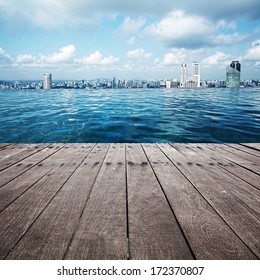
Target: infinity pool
{"points": [[130, 115]]}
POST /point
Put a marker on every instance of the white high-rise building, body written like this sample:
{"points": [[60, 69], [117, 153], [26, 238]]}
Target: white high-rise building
{"points": [[196, 73], [47, 82], [184, 75]]}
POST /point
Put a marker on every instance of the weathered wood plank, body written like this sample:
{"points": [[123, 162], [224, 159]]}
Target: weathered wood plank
{"points": [[15, 188], [246, 150], [24, 165], [215, 159], [207, 233], [153, 230], [50, 235], [250, 149], [17, 218], [241, 191], [253, 146], [20, 152], [2, 145], [244, 222], [9, 150], [102, 232], [242, 159], [64, 201]]}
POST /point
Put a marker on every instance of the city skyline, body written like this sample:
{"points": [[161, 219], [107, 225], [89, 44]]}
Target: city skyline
{"points": [[134, 39]]}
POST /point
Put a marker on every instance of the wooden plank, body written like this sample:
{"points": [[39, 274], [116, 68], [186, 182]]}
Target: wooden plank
{"points": [[10, 150], [29, 162], [50, 235], [241, 191], [247, 150], [5, 145], [215, 159], [242, 219], [20, 152], [15, 188], [102, 232], [207, 233], [153, 230], [17, 218], [240, 158], [253, 146]]}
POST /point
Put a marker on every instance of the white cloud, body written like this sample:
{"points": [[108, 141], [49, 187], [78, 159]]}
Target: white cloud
{"points": [[181, 30], [175, 57], [24, 58], [254, 52], [65, 54], [228, 39], [60, 13], [219, 58], [130, 26], [139, 53], [4, 56], [66, 57], [97, 58]]}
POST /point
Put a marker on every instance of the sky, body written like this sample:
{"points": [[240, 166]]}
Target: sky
{"points": [[127, 39]]}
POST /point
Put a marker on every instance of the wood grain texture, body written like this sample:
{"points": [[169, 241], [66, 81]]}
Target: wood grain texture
{"points": [[16, 219], [13, 171], [102, 231], [253, 146], [214, 158], [16, 186], [219, 195], [50, 235], [245, 160], [129, 201], [208, 235], [20, 152], [153, 230], [247, 150], [5, 145]]}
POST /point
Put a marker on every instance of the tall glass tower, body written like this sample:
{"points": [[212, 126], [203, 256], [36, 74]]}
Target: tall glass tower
{"points": [[233, 74]]}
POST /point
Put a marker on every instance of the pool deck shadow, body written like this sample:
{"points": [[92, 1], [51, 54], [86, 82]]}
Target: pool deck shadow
{"points": [[129, 201]]}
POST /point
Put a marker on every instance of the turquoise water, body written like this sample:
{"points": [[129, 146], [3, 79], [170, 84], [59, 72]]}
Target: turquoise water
{"points": [[130, 115]]}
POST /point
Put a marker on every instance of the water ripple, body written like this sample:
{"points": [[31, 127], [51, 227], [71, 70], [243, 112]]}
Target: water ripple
{"points": [[134, 115]]}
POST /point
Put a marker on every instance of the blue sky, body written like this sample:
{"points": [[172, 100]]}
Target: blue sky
{"points": [[87, 39]]}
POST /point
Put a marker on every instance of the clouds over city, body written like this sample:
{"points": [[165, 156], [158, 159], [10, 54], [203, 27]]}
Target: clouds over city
{"points": [[155, 35], [65, 56], [50, 13]]}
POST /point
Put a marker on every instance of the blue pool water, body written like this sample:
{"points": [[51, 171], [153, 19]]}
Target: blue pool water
{"points": [[130, 115]]}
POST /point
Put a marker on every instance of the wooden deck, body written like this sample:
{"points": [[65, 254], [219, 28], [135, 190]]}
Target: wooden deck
{"points": [[130, 201]]}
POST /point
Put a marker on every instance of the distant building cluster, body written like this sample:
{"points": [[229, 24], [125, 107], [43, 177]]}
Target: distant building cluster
{"points": [[194, 81]]}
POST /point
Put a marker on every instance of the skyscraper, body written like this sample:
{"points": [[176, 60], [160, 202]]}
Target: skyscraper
{"points": [[47, 82], [233, 74], [184, 75], [196, 73]]}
